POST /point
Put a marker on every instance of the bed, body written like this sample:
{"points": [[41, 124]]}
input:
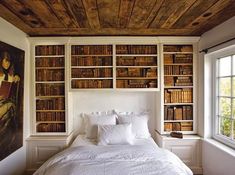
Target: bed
{"points": [[109, 148]]}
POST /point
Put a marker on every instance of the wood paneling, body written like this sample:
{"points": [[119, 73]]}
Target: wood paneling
{"points": [[126, 7], [108, 13], [116, 17]]}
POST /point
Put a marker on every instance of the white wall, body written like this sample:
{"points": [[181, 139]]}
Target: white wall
{"points": [[90, 101], [16, 162], [215, 160]]}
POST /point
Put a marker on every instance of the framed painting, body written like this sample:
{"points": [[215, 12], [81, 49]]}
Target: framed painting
{"points": [[11, 99]]}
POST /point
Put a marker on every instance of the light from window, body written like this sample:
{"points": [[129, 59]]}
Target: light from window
{"points": [[225, 107]]}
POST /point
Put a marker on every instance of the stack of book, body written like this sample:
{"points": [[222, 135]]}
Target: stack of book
{"points": [[51, 127], [136, 49], [50, 104], [92, 50], [184, 95], [91, 61], [50, 116], [49, 75], [178, 113], [92, 84], [49, 50], [43, 89], [92, 73]]}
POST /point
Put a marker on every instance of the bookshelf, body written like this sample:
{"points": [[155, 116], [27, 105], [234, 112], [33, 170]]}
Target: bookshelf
{"points": [[178, 83], [136, 66], [91, 66], [50, 89]]}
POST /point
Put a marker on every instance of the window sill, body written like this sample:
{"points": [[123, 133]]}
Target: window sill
{"points": [[221, 146]]}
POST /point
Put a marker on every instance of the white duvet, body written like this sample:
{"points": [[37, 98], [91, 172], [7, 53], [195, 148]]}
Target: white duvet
{"points": [[114, 160]]}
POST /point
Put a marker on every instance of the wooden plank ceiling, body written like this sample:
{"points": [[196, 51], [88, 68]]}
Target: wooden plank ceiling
{"points": [[116, 17]]}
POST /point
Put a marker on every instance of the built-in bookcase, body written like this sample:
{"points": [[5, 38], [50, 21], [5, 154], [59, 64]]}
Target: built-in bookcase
{"points": [[178, 88], [114, 66], [91, 66], [50, 88], [136, 66]]}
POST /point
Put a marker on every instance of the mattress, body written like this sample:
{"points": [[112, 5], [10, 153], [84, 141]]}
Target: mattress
{"points": [[84, 157]]}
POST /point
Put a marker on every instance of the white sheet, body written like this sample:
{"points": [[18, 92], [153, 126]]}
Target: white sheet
{"points": [[144, 158]]}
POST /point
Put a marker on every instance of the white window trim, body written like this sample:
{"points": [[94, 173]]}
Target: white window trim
{"points": [[215, 122]]}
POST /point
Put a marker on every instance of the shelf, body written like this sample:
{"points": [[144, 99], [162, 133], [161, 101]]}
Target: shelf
{"points": [[49, 67], [136, 66], [177, 52], [178, 75], [49, 82], [92, 55], [172, 121], [177, 104], [86, 67], [52, 96], [179, 64], [49, 56], [39, 122], [50, 110], [136, 78], [93, 78], [137, 55], [176, 87]]}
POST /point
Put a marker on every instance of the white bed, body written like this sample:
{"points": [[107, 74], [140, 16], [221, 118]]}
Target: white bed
{"points": [[85, 157]]}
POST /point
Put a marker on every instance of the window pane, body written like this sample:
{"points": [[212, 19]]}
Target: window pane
{"points": [[225, 126], [233, 86], [225, 107], [225, 86], [225, 66], [233, 64], [233, 109], [234, 129]]}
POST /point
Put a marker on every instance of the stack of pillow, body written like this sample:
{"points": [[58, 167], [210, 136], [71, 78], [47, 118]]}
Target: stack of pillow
{"points": [[116, 128]]}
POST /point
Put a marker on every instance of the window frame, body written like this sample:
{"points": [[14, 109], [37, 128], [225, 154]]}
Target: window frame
{"points": [[215, 92]]}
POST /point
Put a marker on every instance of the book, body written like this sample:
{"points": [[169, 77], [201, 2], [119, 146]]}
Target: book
{"points": [[5, 89]]}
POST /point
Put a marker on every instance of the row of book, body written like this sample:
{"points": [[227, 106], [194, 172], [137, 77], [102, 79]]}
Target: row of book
{"points": [[178, 113], [92, 50], [49, 62], [136, 84], [136, 49], [42, 50], [50, 75], [178, 58], [136, 72], [178, 48], [184, 95], [92, 72], [50, 116], [178, 81], [92, 83], [51, 127], [50, 104], [91, 61], [136, 61], [178, 70], [43, 89], [178, 126]]}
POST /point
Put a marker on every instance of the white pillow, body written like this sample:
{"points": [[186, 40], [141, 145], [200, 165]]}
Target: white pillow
{"points": [[115, 134], [94, 120], [139, 124]]}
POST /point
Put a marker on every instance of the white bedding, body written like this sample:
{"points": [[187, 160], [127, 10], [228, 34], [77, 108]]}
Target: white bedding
{"points": [[85, 158]]}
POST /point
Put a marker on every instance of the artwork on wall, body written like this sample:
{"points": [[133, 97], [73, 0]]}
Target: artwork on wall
{"points": [[11, 99]]}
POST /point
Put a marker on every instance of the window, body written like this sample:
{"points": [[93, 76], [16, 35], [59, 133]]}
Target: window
{"points": [[224, 128]]}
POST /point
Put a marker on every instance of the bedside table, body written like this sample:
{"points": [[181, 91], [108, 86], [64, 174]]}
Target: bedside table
{"points": [[188, 149]]}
